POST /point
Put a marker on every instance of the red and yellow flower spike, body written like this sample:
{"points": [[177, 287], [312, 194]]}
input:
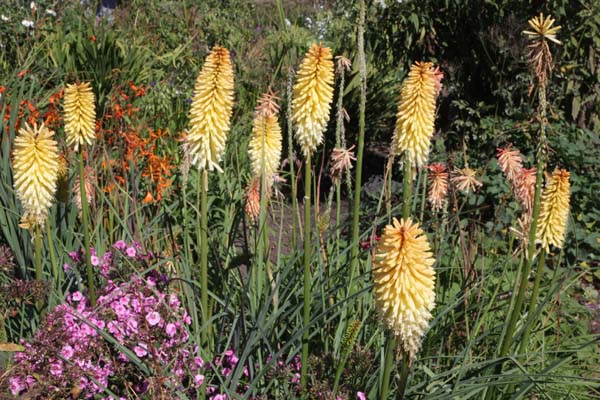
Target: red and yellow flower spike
{"points": [[313, 93], [554, 210], [210, 114], [404, 282], [438, 188]]}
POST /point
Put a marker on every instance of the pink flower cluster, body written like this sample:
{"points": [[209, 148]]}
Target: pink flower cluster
{"points": [[70, 351], [107, 262]]}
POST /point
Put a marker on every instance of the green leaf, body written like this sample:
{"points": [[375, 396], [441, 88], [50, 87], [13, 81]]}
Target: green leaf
{"points": [[575, 107]]}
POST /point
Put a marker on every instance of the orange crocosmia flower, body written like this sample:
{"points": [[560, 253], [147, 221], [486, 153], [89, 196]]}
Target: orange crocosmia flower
{"points": [[138, 91], [55, 98], [149, 198]]}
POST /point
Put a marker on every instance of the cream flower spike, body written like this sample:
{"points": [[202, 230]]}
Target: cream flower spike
{"points": [[210, 114], [80, 114], [416, 114], [404, 283], [554, 210], [35, 166], [313, 94], [265, 142]]}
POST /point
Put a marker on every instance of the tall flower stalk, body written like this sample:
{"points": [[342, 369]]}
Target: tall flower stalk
{"points": [[362, 70], [540, 61], [210, 119], [404, 293], [551, 230], [80, 122], [35, 166], [410, 251], [313, 93], [264, 151]]}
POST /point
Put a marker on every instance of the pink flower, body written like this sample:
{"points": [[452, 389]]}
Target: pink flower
{"points": [[198, 379], [141, 349], [174, 301], [120, 245], [171, 329], [16, 385], [296, 378], [130, 252], [153, 318], [56, 368], [77, 296], [132, 325], [361, 396], [95, 261], [199, 362], [67, 351], [220, 397], [120, 310]]}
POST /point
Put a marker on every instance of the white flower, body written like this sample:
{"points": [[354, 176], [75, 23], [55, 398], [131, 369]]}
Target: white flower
{"points": [[33, 6], [4, 18], [287, 22], [381, 3], [51, 12], [27, 23]]}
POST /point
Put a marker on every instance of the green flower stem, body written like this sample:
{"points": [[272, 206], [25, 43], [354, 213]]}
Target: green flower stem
{"points": [[533, 302], [361, 139], [407, 189], [291, 157], [307, 274], [39, 274], [86, 233], [55, 270], [516, 311], [390, 348], [204, 258], [424, 193], [403, 376]]}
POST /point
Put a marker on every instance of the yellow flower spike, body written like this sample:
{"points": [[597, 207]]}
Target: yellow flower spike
{"points": [[416, 114], [35, 166], [265, 130], [404, 282], [80, 114], [554, 210], [542, 28], [313, 93], [210, 114]]}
